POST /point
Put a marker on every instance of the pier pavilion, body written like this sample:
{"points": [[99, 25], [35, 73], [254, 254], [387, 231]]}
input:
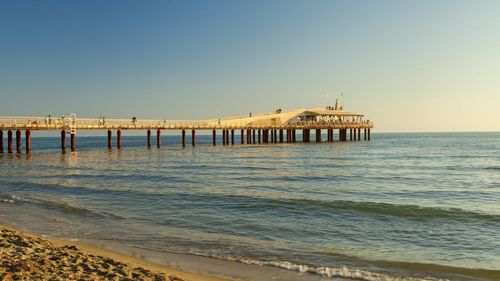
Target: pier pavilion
{"points": [[275, 127]]}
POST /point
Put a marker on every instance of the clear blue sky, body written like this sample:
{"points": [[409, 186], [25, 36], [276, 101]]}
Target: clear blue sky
{"points": [[408, 65]]}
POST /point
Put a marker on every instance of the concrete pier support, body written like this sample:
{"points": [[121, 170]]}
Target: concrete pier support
{"points": [[73, 142], [272, 136], [193, 137], [281, 135], [365, 135], [214, 137], [119, 138], [253, 136], [183, 138], [359, 134], [27, 135], [18, 141], [350, 135], [158, 138], [242, 134], [369, 134], [227, 136], [318, 135], [148, 138], [232, 136], [355, 138], [294, 135], [224, 137], [110, 140], [1, 141], [275, 133], [63, 140], [259, 136]]}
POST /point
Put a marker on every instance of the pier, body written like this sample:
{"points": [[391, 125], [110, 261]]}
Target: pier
{"points": [[274, 127]]}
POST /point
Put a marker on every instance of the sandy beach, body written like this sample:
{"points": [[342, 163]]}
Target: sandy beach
{"points": [[28, 257]]}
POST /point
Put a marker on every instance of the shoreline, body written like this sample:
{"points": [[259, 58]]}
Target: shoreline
{"points": [[172, 266], [26, 256]]}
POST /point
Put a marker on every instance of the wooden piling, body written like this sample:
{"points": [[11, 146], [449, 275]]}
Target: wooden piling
{"points": [[253, 136], [242, 136], [294, 135], [73, 142], [304, 135], [369, 134], [355, 138], [119, 138], [232, 136], [258, 136], [193, 137], [359, 134], [1, 141], [158, 138], [183, 138], [224, 137], [318, 135], [63, 140], [281, 135], [249, 136], [9, 141], [365, 135], [148, 137], [214, 137], [350, 135], [227, 136], [110, 139], [27, 134], [18, 141]]}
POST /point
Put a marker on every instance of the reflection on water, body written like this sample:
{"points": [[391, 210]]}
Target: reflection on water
{"points": [[418, 198]]}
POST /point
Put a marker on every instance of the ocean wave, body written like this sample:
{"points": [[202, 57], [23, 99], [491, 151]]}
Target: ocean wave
{"points": [[328, 272], [495, 168], [60, 206], [412, 212]]}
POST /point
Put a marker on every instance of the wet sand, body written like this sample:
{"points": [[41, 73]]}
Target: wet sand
{"points": [[28, 257]]}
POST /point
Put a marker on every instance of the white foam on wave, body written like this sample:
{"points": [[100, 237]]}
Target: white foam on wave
{"points": [[331, 272]]}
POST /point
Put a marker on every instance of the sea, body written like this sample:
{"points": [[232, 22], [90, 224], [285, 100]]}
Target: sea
{"points": [[403, 206]]}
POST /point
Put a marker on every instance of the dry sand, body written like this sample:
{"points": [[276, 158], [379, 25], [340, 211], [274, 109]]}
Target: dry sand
{"points": [[28, 257]]}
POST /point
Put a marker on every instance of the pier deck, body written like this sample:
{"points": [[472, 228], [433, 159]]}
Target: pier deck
{"points": [[283, 121]]}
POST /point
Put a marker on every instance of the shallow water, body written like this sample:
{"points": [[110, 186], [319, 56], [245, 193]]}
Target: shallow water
{"points": [[406, 204]]}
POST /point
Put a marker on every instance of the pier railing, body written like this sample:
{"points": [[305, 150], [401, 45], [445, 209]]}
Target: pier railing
{"points": [[51, 123]]}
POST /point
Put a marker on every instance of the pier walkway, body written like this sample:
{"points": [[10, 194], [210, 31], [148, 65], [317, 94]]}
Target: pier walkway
{"points": [[279, 126]]}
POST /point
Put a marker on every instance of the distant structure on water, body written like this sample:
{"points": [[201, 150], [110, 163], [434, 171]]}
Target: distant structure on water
{"points": [[254, 128]]}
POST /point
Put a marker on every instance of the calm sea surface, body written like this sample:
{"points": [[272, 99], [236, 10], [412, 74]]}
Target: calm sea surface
{"points": [[404, 204]]}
